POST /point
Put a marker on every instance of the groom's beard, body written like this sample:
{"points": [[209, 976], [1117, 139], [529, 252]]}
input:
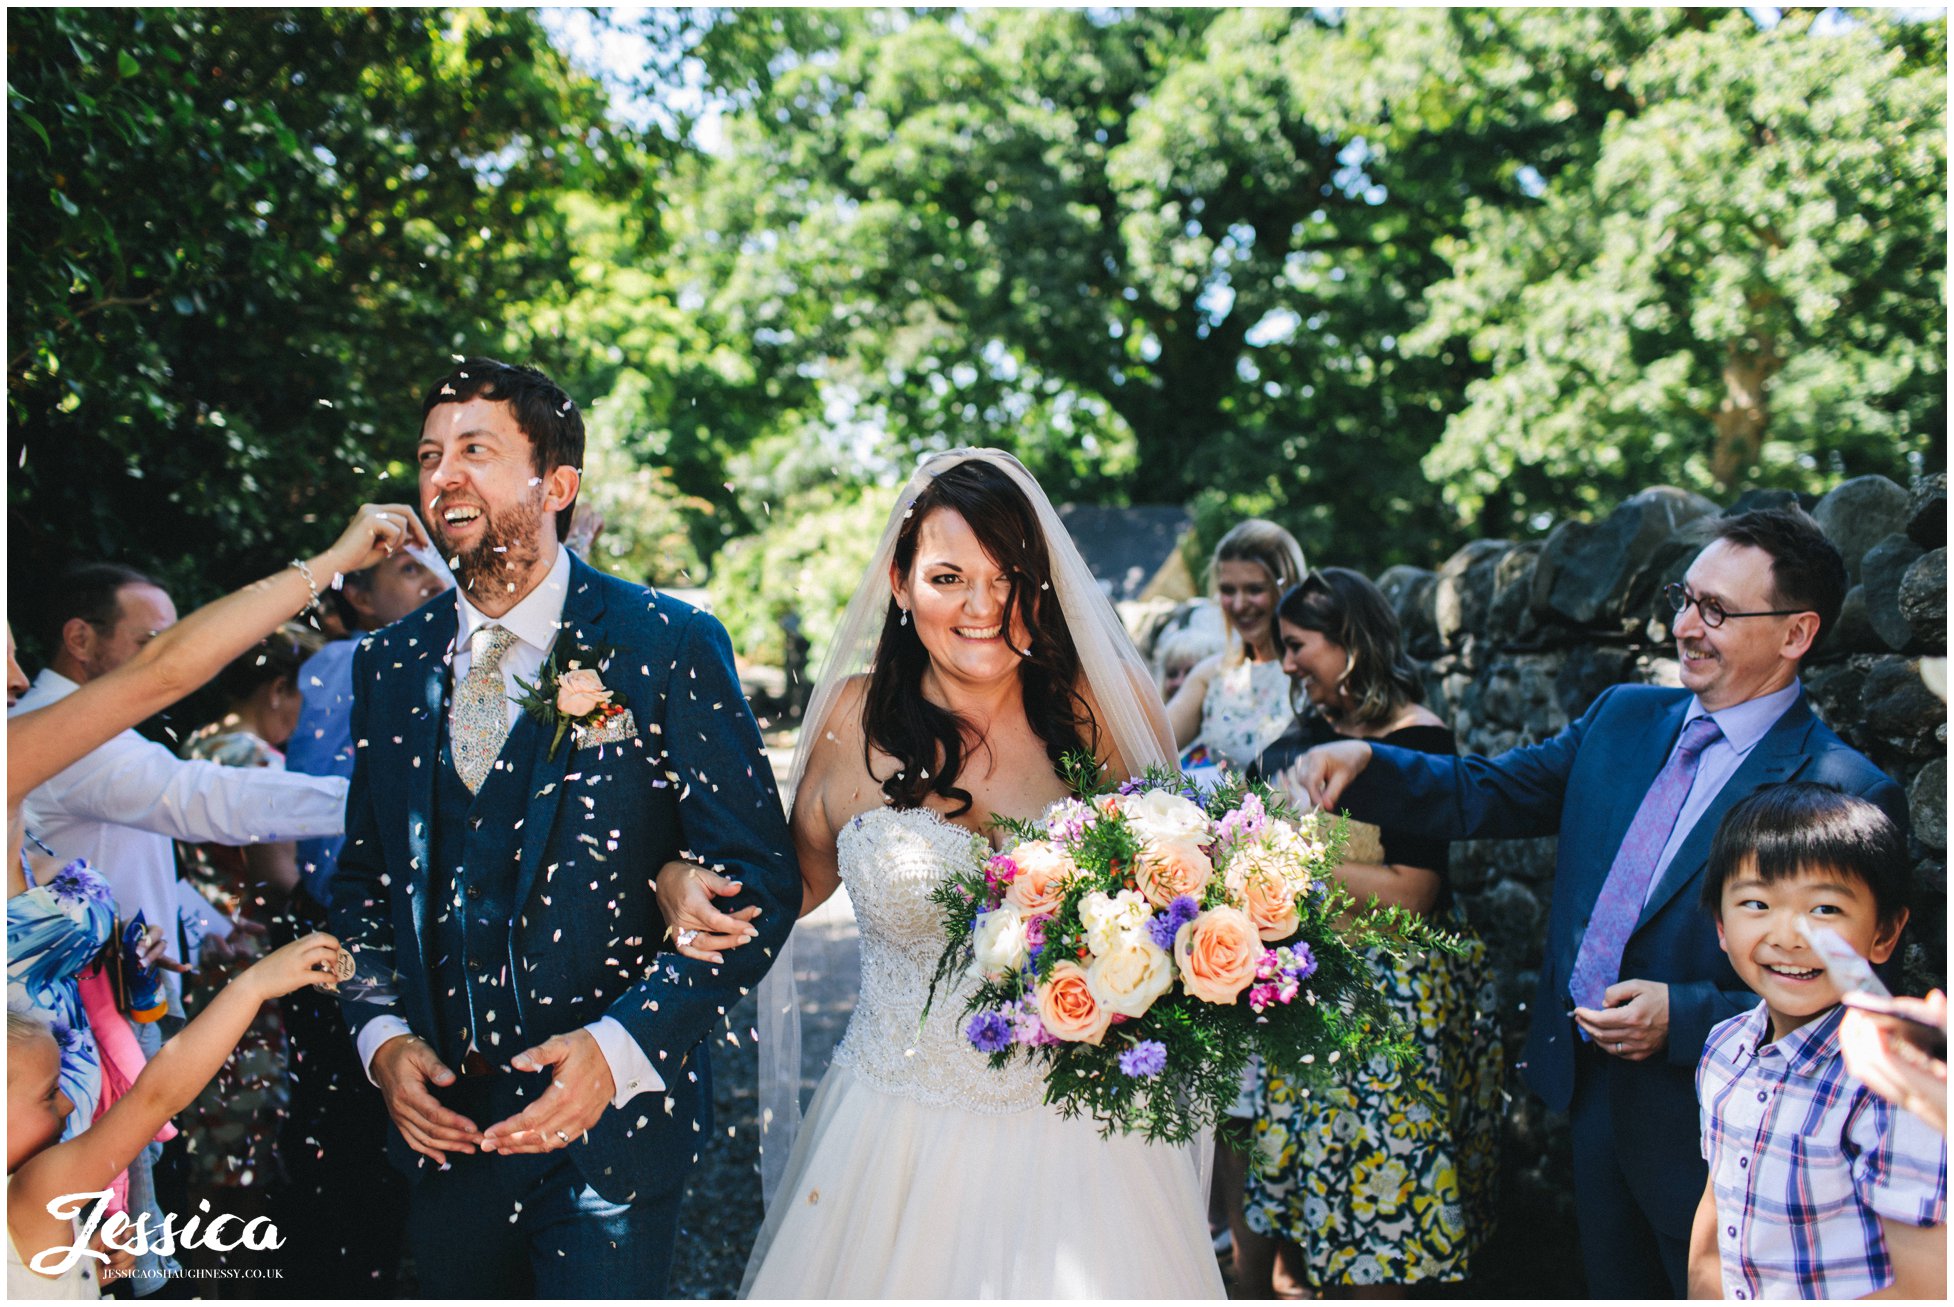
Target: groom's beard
{"points": [[502, 557]]}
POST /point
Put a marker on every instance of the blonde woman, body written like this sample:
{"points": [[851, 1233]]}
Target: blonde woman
{"points": [[1233, 704]]}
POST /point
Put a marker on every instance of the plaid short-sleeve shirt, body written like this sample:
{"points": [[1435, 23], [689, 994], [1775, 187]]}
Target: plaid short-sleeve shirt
{"points": [[1805, 1160]]}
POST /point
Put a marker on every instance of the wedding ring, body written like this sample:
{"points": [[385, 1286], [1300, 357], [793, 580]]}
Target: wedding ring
{"points": [[685, 938], [561, 1137], [1618, 1045]]}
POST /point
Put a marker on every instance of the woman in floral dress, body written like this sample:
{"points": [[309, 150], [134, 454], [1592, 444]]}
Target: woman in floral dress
{"points": [[1386, 1179]]}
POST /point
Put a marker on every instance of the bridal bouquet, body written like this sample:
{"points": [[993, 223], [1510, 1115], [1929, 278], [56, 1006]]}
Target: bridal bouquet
{"points": [[1144, 941]]}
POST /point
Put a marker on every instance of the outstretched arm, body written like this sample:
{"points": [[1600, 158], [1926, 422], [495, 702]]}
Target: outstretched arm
{"points": [[43, 743], [168, 1084]]}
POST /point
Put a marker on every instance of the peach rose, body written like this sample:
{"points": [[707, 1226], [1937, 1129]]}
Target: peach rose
{"points": [[1171, 868], [1067, 1007], [1217, 953], [579, 692], [1271, 904], [1040, 883]]}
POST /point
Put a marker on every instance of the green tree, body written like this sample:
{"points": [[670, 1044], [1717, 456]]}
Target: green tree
{"points": [[1745, 284], [1159, 254], [241, 241]]}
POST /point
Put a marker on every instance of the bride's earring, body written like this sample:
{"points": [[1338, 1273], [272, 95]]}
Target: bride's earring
{"points": [[905, 618]]}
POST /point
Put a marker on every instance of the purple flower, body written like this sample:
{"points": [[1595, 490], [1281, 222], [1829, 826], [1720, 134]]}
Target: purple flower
{"points": [[74, 883], [1303, 964], [1145, 1059], [989, 1032], [1034, 929], [1167, 924]]}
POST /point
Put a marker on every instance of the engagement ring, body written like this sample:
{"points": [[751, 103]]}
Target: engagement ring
{"points": [[685, 938]]}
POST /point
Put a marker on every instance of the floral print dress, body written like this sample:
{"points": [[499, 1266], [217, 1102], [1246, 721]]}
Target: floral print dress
{"points": [[233, 1126], [54, 931], [1389, 1177]]}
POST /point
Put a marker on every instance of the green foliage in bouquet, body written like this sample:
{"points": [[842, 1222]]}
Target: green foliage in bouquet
{"points": [[1144, 941]]}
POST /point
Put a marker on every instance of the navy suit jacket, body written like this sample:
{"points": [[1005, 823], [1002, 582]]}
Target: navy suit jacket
{"points": [[1585, 785], [595, 826]]}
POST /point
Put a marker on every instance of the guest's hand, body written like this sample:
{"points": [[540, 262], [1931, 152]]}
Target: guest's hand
{"points": [[300, 963], [581, 1087], [1879, 1052], [377, 532], [121, 1263], [586, 524], [1319, 777], [403, 1068], [1634, 1025], [151, 951], [697, 928]]}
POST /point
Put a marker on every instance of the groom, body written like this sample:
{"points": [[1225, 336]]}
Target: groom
{"points": [[544, 1064]]}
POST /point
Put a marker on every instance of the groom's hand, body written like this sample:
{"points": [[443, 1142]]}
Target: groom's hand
{"points": [[403, 1068], [581, 1087]]}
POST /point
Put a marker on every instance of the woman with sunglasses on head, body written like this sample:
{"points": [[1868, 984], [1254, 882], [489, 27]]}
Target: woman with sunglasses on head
{"points": [[1386, 1179]]}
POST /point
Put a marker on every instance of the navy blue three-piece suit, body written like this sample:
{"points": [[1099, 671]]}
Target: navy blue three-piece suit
{"points": [[1639, 1171], [527, 910]]}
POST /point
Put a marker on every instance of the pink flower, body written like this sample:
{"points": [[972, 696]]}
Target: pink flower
{"points": [[580, 692]]}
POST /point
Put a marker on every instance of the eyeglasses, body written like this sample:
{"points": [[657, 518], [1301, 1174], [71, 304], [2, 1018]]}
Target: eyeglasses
{"points": [[1678, 597]]}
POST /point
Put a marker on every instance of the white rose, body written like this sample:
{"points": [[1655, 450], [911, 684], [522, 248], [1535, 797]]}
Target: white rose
{"points": [[1130, 974], [1105, 917], [1158, 815], [1000, 942]]}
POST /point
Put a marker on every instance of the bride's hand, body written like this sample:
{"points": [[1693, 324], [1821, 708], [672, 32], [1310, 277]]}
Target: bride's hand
{"points": [[696, 928]]}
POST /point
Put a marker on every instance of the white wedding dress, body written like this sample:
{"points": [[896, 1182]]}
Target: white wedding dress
{"points": [[923, 1173]]}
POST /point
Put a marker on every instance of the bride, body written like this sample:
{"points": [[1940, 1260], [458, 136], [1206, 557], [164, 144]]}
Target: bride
{"points": [[977, 652]]}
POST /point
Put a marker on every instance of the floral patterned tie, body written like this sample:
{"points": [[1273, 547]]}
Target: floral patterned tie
{"points": [[482, 707], [1599, 963]]}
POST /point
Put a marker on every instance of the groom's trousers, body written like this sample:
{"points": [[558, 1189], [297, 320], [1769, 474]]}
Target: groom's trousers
{"points": [[527, 1225]]}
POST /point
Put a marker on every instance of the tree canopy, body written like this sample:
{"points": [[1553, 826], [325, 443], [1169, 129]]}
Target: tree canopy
{"points": [[1395, 278]]}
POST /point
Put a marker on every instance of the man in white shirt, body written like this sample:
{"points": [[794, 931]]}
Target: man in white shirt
{"points": [[122, 805]]}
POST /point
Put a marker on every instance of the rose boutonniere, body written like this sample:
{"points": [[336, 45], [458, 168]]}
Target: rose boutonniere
{"points": [[570, 693]]}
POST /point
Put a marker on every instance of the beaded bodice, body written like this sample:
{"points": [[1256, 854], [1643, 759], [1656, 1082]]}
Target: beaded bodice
{"points": [[891, 859]]}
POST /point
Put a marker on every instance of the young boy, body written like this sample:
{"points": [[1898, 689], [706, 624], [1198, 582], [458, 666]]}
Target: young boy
{"points": [[1818, 1188]]}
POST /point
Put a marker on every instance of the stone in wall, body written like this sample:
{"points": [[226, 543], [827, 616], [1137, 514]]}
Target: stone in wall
{"points": [[1900, 712], [1466, 583], [1600, 575], [1883, 569], [1927, 511], [1923, 599], [1860, 513], [1927, 804], [1413, 593]]}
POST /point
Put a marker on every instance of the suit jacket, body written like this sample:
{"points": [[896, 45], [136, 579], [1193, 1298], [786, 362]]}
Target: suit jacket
{"points": [[594, 825], [1585, 785]]}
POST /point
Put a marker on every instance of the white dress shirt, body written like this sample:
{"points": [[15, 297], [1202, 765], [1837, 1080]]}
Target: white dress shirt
{"points": [[534, 621], [120, 807]]}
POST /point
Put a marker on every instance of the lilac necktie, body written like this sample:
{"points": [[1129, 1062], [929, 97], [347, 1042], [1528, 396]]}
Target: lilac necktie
{"points": [[1599, 963]]}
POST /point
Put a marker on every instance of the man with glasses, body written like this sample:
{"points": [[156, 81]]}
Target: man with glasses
{"points": [[1633, 976]]}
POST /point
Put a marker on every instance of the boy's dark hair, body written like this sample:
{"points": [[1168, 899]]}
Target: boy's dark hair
{"points": [[1807, 571], [1803, 826], [92, 592], [544, 413]]}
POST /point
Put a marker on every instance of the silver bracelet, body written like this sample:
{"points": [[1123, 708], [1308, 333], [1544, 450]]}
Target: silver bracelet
{"points": [[306, 573]]}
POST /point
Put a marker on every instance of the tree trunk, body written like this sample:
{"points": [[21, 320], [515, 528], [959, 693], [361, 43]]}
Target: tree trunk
{"points": [[1744, 416]]}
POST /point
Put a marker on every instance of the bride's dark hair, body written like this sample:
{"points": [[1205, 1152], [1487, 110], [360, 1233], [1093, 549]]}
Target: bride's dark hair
{"points": [[928, 742]]}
